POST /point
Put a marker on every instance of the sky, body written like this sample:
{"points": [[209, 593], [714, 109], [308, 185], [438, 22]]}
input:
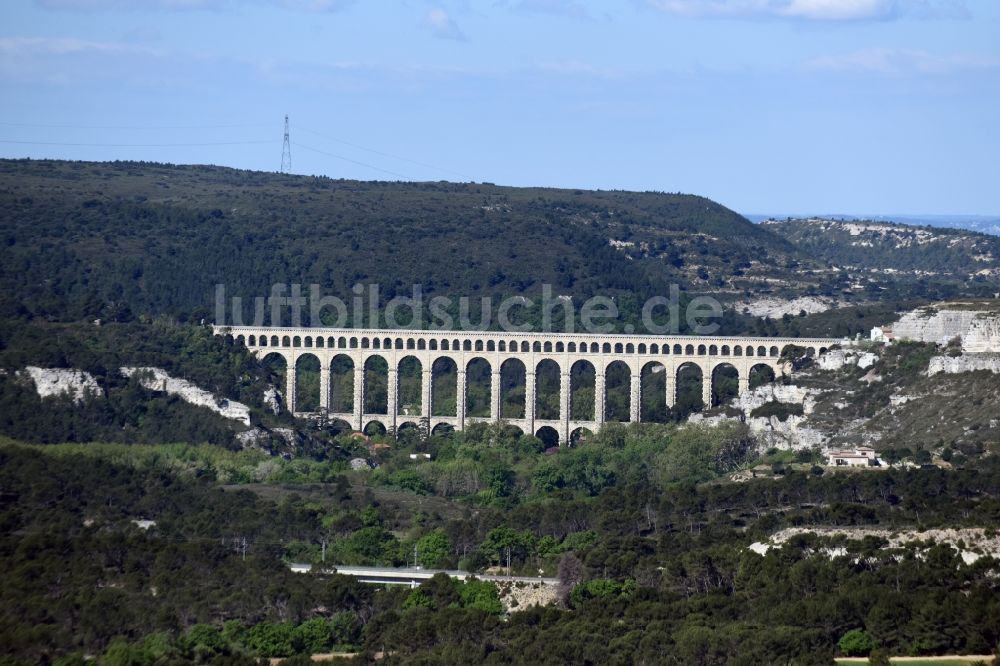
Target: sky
{"points": [[875, 107]]}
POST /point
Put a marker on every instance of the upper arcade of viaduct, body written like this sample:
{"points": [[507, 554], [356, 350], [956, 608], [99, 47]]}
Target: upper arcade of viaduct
{"points": [[500, 350]]}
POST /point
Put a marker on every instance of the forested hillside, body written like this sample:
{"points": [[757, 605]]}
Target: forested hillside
{"points": [[882, 246], [119, 239]]}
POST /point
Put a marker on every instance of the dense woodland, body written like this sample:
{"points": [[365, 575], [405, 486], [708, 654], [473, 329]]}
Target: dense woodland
{"points": [[105, 265], [663, 571]]}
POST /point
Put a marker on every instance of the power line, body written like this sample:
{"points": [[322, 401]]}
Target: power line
{"points": [[384, 154], [132, 145], [286, 151], [348, 159]]}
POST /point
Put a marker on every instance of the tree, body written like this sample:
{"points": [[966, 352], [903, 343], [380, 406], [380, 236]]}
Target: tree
{"points": [[856, 643]]}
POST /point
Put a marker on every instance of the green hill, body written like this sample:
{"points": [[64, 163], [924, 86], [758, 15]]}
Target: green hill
{"points": [[114, 240], [886, 246]]}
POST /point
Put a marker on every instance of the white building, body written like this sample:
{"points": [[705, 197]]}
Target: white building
{"points": [[862, 456]]}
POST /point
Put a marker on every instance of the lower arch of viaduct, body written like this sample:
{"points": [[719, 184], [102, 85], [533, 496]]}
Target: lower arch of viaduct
{"points": [[495, 349]]}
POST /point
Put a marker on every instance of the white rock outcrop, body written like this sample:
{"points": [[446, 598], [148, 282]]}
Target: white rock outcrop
{"points": [[953, 365], [59, 381], [272, 399], [156, 379], [776, 308], [983, 335], [979, 329], [835, 359], [787, 393]]}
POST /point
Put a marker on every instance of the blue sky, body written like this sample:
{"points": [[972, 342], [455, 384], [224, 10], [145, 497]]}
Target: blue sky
{"points": [[851, 106]]}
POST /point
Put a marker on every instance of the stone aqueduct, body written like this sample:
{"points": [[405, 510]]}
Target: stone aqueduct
{"points": [[497, 348]]}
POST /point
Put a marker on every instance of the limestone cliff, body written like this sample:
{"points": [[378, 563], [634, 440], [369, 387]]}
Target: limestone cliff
{"points": [[59, 381], [156, 379], [976, 324]]}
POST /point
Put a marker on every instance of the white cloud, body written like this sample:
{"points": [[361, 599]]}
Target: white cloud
{"points": [[46, 46], [442, 25], [813, 10], [898, 62]]}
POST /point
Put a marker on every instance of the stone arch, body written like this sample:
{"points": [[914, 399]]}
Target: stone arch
{"points": [[411, 343], [274, 341], [548, 435], [308, 341], [513, 389], [443, 430], [399, 343], [275, 365], [653, 406], [387, 343], [307, 385], [479, 345], [319, 341], [737, 350], [618, 348], [376, 343], [296, 341], [582, 385], [606, 348], [491, 345], [365, 342], [524, 347], [713, 350], [560, 348], [594, 348], [286, 341], [444, 379], [617, 391], [642, 347], [761, 350], [629, 348], [749, 350], [548, 378], [409, 386], [467, 345], [579, 436], [376, 397], [342, 384], [571, 347], [375, 428], [760, 374], [774, 352], [689, 350], [408, 430], [422, 344], [725, 350], [354, 343], [536, 347], [547, 347], [253, 340], [478, 387], [444, 345], [689, 383], [701, 350], [342, 342], [502, 346], [339, 426], [725, 383], [242, 340]]}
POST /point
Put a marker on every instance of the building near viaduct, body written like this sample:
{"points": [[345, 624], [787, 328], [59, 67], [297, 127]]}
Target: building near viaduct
{"points": [[496, 355]]}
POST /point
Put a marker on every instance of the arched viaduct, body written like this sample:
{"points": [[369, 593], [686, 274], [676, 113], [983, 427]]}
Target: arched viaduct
{"points": [[533, 351]]}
